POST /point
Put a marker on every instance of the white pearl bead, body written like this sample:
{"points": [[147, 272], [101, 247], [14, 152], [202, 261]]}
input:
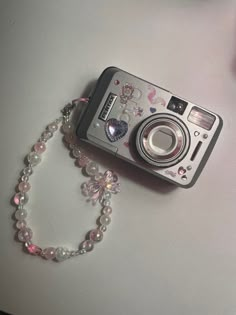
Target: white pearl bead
{"points": [[87, 245], [96, 235], [91, 168], [20, 214], [52, 127], [25, 235], [107, 210], [105, 219], [62, 254], [68, 127], [49, 253], [34, 158]]}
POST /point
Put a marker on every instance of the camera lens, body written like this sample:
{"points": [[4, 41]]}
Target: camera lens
{"points": [[162, 140]]}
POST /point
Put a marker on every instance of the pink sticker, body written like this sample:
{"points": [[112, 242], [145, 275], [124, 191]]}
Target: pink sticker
{"points": [[153, 98], [171, 173], [127, 93]]}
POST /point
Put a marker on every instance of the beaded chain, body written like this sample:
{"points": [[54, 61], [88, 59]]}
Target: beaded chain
{"points": [[98, 188]]}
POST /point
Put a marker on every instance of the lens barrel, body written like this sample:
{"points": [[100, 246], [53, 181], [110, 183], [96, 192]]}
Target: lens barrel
{"points": [[162, 140]]}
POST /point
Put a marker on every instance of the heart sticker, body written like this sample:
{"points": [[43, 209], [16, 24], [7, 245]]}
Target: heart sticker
{"points": [[115, 129], [153, 110], [181, 170]]}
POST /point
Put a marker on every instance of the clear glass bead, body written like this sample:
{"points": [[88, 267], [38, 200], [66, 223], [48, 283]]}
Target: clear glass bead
{"points": [[20, 224], [25, 178], [28, 171], [106, 202], [46, 135], [68, 127], [40, 147], [34, 158], [102, 228], [62, 254], [105, 219], [25, 234], [21, 198], [20, 214], [98, 176], [107, 210], [58, 120], [96, 235], [49, 253], [92, 168], [73, 253], [24, 187], [87, 245], [71, 146], [76, 152], [52, 127], [84, 189], [107, 195]]}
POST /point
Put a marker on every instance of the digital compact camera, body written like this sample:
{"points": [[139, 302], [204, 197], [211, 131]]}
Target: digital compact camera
{"points": [[149, 127]]}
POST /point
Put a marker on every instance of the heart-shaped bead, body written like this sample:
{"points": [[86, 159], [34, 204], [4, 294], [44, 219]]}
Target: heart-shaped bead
{"points": [[115, 129]]}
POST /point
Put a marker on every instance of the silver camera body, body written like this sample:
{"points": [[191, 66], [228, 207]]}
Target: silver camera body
{"points": [[149, 127]]}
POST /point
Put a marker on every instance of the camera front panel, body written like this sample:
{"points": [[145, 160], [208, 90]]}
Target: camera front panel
{"points": [[150, 127]]}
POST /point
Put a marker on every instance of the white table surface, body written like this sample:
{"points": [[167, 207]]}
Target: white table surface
{"points": [[168, 250]]}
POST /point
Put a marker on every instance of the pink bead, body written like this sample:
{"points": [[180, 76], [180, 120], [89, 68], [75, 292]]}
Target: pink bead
{"points": [[82, 161], [21, 224], [20, 198], [70, 138], [67, 127], [25, 234], [49, 253], [34, 249], [40, 147], [24, 187]]}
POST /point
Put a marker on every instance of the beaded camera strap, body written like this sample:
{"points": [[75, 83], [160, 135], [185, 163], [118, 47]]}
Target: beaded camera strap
{"points": [[99, 188]]}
